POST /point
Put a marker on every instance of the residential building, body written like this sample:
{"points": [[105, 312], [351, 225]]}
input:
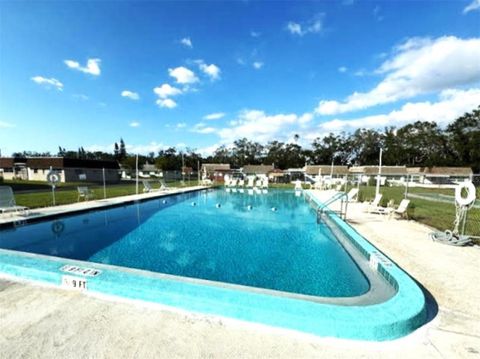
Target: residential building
{"points": [[69, 169]]}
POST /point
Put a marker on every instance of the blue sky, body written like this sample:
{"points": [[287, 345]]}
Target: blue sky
{"points": [[201, 74]]}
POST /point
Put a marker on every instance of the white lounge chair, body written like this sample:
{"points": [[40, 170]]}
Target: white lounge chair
{"points": [[265, 183], [85, 193], [164, 186], [298, 185], [251, 182], [241, 183], [401, 210], [147, 187], [352, 195], [258, 183], [374, 206], [7, 202]]}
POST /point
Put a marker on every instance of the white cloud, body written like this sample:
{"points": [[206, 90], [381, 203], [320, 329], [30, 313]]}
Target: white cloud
{"points": [[313, 26], [134, 124], [254, 34], [263, 127], [342, 69], [48, 82], [203, 129], [181, 125], [6, 125], [294, 28], [257, 65], [187, 42], [209, 150], [418, 66], [214, 116], [212, 70], [92, 68], [183, 75], [131, 95], [474, 5], [166, 90], [451, 104], [168, 103]]}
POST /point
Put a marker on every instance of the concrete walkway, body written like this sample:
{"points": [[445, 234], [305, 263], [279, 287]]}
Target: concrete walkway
{"points": [[49, 322], [90, 205]]}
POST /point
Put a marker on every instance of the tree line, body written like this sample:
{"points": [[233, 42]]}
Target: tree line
{"points": [[420, 143]]}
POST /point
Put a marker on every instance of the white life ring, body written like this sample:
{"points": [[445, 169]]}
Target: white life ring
{"points": [[53, 177], [471, 193]]}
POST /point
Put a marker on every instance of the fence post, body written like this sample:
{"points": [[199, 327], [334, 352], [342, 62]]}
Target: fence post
{"points": [[104, 186]]}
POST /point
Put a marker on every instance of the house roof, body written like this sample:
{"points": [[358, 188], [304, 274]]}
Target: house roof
{"points": [[441, 171], [325, 170], [373, 170], [215, 166], [57, 162], [257, 169]]}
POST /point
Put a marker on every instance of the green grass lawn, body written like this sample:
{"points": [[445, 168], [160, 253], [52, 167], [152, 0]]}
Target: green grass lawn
{"points": [[435, 214], [68, 193]]}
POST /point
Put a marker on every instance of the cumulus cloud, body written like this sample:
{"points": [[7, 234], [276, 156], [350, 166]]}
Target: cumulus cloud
{"points": [[48, 82], [342, 69], [417, 66], [167, 103], [474, 5], [92, 67], [451, 104], [186, 41], [263, 127], [134, 124], [257, 65], [166, 90], [254, 34], [315, 25], [212, 70], [183, 75], [129, 94], [181, 125], [214, 116]]}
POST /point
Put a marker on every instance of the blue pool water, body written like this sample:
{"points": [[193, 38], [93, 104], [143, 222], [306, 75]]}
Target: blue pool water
{"points": [[254, 246]]}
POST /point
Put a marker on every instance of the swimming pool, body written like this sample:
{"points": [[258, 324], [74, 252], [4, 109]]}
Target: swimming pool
{"points": [[234, 254]]}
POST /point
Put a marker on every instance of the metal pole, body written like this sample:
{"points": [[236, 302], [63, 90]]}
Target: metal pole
{"points": [[104, 186], [198, 172], [136, 177], [377, 191], [183, 170], [53, 189], [406, 188]]}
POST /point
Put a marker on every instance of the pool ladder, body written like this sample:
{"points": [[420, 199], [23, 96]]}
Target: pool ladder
{"points": [[343, 198]]}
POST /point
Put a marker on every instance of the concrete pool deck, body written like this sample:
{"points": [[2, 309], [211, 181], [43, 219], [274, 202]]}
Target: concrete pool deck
{"points": [[37, 321]]}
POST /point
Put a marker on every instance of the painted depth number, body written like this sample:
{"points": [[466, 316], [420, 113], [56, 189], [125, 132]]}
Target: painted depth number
{"points": [[74, 283]]}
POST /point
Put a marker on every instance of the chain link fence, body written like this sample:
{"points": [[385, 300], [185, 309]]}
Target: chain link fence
{"points": [[37, 194], [432, 201]]}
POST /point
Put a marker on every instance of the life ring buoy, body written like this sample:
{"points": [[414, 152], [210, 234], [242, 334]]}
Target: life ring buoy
{"points": [[53, 177], [471, 193]]}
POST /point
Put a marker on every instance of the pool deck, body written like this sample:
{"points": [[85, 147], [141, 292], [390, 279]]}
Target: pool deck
{"points": [[38, 213], [38, 321]]}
